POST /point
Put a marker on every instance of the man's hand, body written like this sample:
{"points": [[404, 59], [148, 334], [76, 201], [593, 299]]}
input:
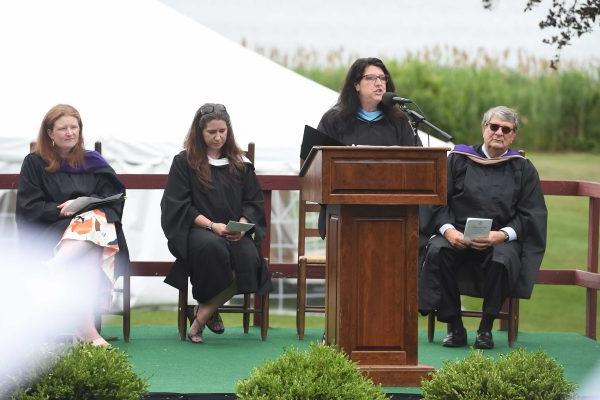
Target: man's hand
{"points": [[494, 238], [456, 239]]}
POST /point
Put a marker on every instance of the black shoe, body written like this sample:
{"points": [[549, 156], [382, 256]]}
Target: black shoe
{"points": [[484, 340], [455, 338]]}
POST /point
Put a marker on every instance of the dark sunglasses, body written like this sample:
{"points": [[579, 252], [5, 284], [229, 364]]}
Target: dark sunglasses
{"points": [[211, 108], [505, 129]]}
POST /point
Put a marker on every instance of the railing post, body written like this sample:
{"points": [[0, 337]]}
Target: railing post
{"points": [[265, 247], [591, 305]]}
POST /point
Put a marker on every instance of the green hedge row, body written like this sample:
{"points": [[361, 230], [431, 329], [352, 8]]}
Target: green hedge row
{"points": [[559, 110]]}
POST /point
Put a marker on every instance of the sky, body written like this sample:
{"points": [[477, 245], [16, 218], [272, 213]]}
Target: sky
{"points": [[386, 28]]}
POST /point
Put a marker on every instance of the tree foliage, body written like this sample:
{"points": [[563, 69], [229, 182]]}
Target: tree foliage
{"points": [[571, 19]]}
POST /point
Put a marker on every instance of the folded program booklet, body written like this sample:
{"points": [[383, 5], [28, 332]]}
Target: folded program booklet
{"points": [[84, 202], [477, 228], [236, 226]]}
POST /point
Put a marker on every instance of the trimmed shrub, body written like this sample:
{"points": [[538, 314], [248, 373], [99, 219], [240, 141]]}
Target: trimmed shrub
{"points": [[518, 375], [321, 372], [85, 372], [532, 376]]}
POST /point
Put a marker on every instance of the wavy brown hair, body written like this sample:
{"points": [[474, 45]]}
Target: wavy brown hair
{"points": [[44, 145], [195, 147]]}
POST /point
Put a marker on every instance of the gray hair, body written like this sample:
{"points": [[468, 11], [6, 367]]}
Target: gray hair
{"points": [[504, 113]]}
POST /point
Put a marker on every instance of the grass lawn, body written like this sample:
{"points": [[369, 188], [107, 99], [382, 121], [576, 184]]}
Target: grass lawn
{"points": [[551, 308]]}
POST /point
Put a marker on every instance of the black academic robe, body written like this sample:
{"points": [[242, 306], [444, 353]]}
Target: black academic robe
{"points": [[211, 261], [40, 192], [509, 193], [385, 132]]}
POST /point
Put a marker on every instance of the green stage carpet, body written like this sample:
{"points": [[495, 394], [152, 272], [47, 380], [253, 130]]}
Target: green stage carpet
{"points": [[213, 367]]}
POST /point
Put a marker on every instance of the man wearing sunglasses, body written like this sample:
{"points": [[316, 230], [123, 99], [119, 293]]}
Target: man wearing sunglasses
{"points": [[485, 181]]}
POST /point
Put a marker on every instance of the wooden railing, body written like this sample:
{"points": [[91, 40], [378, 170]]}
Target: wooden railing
{"points": [[588, 278]]}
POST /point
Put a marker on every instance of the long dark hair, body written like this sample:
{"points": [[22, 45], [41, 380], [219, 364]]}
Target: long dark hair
{"points": [[195, 146], [348, 102], [44, 145]]}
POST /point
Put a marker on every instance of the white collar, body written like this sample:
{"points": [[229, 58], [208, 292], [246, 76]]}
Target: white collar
{"points": [[488, 156], [224, 161]]}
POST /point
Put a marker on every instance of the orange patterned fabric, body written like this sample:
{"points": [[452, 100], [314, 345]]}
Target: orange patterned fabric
{"points": [[92, 226]]}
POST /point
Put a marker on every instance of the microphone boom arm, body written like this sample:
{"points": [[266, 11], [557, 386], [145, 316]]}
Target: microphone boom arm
{"points": [[416, 119]]}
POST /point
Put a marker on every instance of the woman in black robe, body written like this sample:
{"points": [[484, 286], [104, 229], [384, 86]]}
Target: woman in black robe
{"points": [[211, 183], [87, 243], [361, 118]]}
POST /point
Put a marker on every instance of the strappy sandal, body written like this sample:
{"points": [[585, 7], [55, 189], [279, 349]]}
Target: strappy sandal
{"points": [[196, 337], [215, 323]]}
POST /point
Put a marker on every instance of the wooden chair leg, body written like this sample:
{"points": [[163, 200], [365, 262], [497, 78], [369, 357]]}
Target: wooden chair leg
{"points": [[246, 317], [509, 323], [181, 313], [504, 324], [264, 313], [126, 306], [513, 329], [301, 298], [430, 327], [98, 322], [257, 317]]}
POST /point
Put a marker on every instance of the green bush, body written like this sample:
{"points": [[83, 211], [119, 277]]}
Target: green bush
{"points": [[518, 375], [84, 372], [321, 372]]}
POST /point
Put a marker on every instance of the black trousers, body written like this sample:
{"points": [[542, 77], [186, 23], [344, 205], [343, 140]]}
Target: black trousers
{"points": [[493, 279]]}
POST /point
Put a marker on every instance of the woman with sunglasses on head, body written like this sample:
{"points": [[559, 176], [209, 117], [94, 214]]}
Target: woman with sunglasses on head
{"points": [[211, 183], [86, 245]]}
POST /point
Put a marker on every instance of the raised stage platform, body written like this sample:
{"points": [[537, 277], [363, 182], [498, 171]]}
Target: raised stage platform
{"points": [[173, 366]]}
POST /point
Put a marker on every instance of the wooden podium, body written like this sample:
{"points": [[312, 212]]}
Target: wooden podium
{"points": [[372, 196]]}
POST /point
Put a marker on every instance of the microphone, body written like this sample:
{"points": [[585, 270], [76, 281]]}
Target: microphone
{"points": [[391, 98]]}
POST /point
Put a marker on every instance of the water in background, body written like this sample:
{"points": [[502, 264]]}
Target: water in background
{"points": [[387, 28]]}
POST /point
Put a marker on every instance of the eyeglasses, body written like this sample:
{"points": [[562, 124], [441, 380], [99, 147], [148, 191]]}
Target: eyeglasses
{"points": [[211, 108], [505, 129], [373, 78]]}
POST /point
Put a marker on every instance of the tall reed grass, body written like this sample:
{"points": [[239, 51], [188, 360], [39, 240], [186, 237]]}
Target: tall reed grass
{"points": [[560, 110]]}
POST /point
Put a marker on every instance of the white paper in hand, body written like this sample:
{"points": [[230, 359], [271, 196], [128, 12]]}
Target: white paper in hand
{"points": [[236, 226], [477, 228]]}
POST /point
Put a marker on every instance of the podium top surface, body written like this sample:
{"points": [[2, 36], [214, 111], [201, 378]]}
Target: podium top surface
{"points": [[354, 148], [393, 175]]}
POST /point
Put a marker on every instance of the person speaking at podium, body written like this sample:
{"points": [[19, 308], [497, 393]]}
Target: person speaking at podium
{"points": [[361, 117]]}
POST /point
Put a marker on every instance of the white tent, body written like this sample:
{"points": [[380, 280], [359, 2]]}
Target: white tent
{"points": [[137, 71]]}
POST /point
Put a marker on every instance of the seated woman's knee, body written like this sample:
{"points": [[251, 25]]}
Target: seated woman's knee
{"points": [[206, 243]]}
